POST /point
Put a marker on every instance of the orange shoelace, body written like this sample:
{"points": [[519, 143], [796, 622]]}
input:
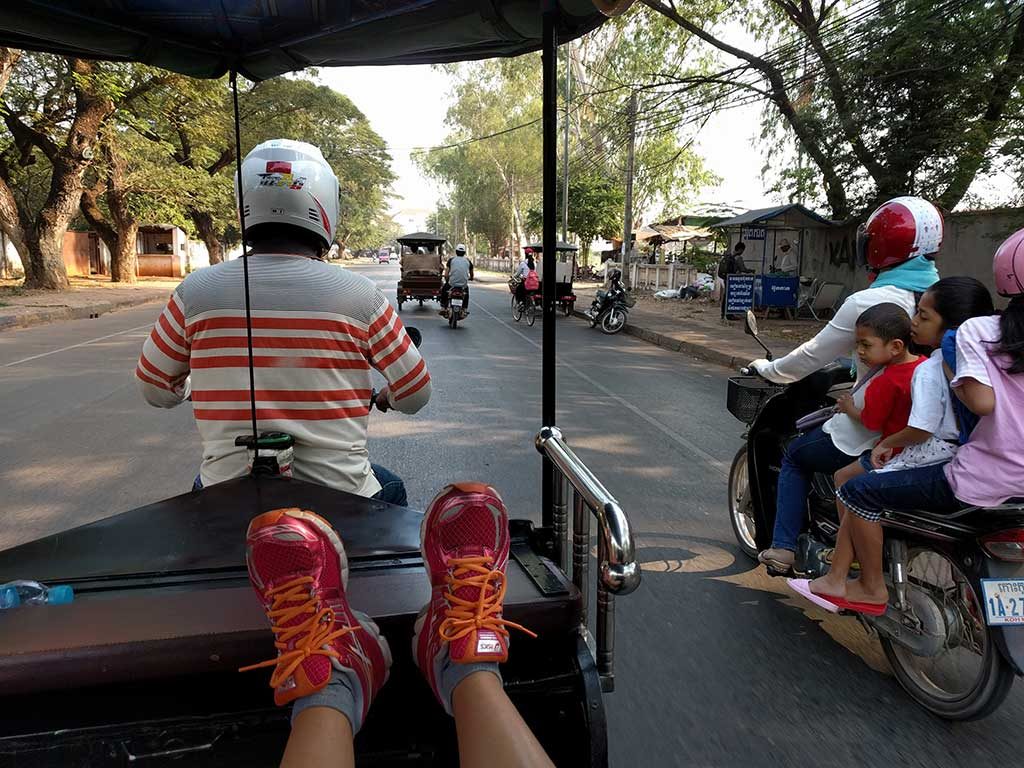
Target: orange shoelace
{"points": [[463, 616], [291, 599]]}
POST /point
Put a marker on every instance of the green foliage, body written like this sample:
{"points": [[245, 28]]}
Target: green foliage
{"points": [[595, 209], [915, 104]]}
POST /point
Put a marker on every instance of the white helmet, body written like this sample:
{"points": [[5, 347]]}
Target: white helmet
{"points": [[289, 182], [460, 249]]}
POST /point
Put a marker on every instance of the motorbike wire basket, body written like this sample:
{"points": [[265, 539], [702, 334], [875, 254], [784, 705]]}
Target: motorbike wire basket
{"points": [[746, 395], [629, 300]]}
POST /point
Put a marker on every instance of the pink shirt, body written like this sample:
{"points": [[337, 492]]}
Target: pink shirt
{"points": [[989, 469]]}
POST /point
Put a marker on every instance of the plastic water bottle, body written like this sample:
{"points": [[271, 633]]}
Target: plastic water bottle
{"points": [[15, 593]]}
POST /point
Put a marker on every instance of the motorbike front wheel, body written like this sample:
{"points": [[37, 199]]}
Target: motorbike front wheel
{"points": [[614, 320], [741, 507], [967, 678]]}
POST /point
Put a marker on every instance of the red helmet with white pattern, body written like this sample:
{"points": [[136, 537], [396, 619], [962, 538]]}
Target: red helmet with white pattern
{"points": [[899, 230], [1008, 266]]}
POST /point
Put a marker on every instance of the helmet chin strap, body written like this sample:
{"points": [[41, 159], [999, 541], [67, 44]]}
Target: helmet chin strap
{"points": [[245, 266]]}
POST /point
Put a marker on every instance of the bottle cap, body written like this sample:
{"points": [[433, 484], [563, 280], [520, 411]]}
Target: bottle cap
{"points": [[60, 595]]}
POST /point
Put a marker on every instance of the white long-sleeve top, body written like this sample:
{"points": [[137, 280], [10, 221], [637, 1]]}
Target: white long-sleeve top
{"points": [[317, 332], [838, 339]]}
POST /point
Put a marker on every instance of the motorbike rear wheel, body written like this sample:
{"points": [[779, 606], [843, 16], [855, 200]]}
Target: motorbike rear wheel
{"points": [[613, 321], [531, 313], [741, 508], [968, 678]]}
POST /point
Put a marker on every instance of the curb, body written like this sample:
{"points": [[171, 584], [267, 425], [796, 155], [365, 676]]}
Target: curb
{"points": [[698, 351], [28, 319]]}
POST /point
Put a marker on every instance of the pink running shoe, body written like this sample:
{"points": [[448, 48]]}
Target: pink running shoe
{"points": [[297, 566], [464, 540]]}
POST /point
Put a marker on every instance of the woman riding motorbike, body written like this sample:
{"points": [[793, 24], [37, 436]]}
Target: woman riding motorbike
{"points": [[898, 243]]}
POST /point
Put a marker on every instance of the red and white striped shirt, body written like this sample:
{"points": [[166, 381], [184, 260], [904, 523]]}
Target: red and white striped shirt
{"points": [[317, 332]]}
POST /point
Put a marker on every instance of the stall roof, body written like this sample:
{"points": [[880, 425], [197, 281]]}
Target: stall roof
{"points": [[561, 245], [793, 213], [206, 38]]}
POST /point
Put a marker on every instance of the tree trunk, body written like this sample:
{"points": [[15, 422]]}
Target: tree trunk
{"points": [[44, 247], [124, 260], [208, 233]]}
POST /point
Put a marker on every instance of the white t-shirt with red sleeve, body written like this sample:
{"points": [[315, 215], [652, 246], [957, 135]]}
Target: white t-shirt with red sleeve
{"points": [[317, 332]]}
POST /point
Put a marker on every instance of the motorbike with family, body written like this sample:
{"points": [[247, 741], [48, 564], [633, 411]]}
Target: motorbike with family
{"points": [[888, 487]]}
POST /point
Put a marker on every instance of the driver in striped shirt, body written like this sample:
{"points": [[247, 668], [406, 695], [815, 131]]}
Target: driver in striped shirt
{"points": [[317, 332]]}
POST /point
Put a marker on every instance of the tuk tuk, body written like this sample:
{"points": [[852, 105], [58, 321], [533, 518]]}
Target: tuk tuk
{"points": [[565, 266], [143, 664], [421, 262]]}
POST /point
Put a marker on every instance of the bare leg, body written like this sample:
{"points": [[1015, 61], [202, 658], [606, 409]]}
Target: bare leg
{"points": [[834, 582], [321, 738], [491, 732], [867, 539]]}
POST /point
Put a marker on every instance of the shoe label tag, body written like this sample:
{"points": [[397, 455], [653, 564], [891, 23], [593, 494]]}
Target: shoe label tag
{"points": [[488, 643]]}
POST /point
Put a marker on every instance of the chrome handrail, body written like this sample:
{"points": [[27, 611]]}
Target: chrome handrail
{"points": [[619, 572], [616, 550]]}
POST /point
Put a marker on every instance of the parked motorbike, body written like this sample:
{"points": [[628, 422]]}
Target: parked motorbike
{"points": [[611, 307], [953, 630]]}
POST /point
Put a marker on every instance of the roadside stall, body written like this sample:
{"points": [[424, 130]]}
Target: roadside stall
{"points": [[774, 256]]}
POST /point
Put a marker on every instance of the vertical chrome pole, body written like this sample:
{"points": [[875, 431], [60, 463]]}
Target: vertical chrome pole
{"points": [[560, 520], [605, 623], [581, 551]]}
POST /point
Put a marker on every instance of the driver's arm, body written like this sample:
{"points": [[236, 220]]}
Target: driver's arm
{"points": [[392, 352], [163, 367], [834, 340]]}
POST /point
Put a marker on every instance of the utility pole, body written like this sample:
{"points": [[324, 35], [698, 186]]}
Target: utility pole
{"points": [[565, 145], [627, 233]]}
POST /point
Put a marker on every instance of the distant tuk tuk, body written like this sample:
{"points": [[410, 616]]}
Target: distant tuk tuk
{"points": [[565, 266], [142, 666], [421, 262]]}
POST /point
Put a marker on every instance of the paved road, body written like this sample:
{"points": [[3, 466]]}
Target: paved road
{"points": [[717, 664]]}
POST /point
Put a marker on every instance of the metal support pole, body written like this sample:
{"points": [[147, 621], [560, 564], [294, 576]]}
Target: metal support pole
{"points": [[605, 625], [627, 235], [560, 521], [581, 551], [549, 66]]}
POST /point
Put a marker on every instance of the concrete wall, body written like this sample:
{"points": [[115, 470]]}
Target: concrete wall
{"points": [[969, 241]]}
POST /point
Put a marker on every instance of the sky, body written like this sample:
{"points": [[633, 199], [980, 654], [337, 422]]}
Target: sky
{"points": [[407, 105]]}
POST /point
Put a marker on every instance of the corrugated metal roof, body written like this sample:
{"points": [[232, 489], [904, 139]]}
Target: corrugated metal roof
{"points": [[761, 215]]}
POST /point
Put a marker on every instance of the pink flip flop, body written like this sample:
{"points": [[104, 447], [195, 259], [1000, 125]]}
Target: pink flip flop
{"points": [[803, 588], [871, 609]]}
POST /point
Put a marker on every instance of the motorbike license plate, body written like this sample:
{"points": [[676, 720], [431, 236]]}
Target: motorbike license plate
{"points": [[1004, 601]]}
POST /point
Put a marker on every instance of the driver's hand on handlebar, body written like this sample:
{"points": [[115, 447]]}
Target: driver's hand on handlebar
{"points": [[757, 367]]}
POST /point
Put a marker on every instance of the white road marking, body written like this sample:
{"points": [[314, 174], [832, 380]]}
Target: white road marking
{"points": [[715, 464], [75, 346]]}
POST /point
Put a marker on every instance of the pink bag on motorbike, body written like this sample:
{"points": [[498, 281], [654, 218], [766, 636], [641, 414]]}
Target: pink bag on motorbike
{"points": [[532, 281]]}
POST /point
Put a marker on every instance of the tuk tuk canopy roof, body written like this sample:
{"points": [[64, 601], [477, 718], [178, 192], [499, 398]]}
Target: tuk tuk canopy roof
{"points": [[206, 38], [426, 240]]}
